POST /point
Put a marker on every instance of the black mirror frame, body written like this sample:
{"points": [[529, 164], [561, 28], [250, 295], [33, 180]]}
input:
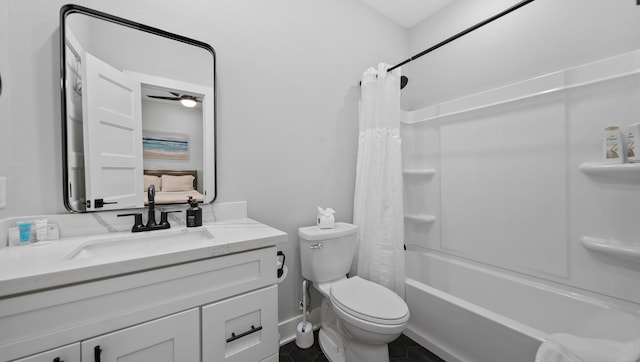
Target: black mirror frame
{"points": [[69, 9]]}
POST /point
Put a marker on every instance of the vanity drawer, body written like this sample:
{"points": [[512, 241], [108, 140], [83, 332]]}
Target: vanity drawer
{"points": [[69, 353], [242, 328]]}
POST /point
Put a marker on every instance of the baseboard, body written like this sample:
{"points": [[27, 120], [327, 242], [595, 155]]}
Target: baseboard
{"points": [[287, 329]]}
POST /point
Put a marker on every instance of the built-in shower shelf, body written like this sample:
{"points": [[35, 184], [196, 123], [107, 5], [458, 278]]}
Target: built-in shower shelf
{"points": [[422, 218], [621, 249], [630, 171], [419, 172]]}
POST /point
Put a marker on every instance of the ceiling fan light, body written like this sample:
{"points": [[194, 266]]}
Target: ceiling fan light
{"points": [[188, 102]]}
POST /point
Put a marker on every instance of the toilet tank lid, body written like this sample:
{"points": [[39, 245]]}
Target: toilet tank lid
{"points": [[313, 233]]}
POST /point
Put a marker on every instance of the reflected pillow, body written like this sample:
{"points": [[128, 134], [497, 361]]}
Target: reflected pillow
{"points": [[152, 180], [177, 183]]}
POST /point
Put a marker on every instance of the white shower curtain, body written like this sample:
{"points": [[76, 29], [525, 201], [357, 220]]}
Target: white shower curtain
{"points": [[378, 209]]}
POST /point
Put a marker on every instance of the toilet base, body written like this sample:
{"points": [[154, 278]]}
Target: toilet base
{"points": [[363, 352], [352, 351], [332, 349]]}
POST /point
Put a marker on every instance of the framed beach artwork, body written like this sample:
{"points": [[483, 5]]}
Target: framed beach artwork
{"points": [[168, 145]]}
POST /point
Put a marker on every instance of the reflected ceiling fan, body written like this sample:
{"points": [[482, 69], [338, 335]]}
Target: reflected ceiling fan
{"points": [[185, 99]]}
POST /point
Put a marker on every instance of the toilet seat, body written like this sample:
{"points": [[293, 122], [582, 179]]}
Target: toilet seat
{"points": [[369, 302]]}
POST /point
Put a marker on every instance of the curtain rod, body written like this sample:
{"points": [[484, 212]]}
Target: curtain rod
{"points": [[464, 32]]}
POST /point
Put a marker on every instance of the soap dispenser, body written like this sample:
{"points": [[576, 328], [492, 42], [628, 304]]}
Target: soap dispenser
{"points": [[194, 213]]}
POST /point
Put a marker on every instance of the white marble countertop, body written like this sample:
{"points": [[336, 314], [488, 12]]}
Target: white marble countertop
{"points": [[49, 264]]}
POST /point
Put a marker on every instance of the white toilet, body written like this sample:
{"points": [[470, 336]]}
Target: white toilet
{"points": [[359, 317]]}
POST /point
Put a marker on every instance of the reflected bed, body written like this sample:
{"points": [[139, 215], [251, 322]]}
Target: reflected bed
{"points": [[172, 186]]}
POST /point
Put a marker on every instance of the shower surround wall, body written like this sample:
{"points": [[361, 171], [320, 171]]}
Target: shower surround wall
{"points": [[508, 205], [507, 191], [511, 187], [493, 173]]}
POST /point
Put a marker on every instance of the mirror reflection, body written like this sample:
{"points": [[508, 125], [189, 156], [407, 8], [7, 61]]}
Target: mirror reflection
{"points": [[138, 109]]}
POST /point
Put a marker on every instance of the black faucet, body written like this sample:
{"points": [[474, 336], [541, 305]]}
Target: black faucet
{"points": [[151, 196], [151, 218]]}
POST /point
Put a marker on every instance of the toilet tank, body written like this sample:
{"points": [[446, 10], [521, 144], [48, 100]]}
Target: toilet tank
{"points": [[326, 254]]}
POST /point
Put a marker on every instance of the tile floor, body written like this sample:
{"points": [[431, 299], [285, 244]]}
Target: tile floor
{"points": [[402, 349]]}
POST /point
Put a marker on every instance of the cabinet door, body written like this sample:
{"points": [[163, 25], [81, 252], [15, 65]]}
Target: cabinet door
{"points": [[70, 353], [175, 338], [242, 328]]}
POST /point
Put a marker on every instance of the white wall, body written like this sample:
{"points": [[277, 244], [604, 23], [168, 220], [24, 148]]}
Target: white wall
{"points": [[287, 90], [5, 125], [541, 37], [119, 46], [508, 192], [159, 116]]}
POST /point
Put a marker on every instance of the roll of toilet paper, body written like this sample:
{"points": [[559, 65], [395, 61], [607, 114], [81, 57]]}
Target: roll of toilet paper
{"points": [[325, 218], [281, 277], [326, 222]]}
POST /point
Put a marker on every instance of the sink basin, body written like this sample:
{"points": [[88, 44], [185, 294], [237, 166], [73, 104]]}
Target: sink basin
{"points": [[142, 244]]}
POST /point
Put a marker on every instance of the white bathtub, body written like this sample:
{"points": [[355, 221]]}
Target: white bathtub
{"points": [[465, 312]]}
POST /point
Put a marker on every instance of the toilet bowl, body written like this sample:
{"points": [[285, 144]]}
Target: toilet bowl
{"points": [[370, 315], [358, 317]]}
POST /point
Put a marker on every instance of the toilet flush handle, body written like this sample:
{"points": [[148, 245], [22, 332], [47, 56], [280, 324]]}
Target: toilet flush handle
{"points": [[317, 246]]}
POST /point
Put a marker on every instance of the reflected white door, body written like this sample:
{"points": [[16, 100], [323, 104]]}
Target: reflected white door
{"points": [[75, 143], [112, 137]]}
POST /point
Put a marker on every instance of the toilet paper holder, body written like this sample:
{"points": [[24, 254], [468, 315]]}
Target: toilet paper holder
{"points": [[281, 268]]}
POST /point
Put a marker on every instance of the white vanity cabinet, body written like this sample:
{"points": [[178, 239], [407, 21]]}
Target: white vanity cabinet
{"points": [[174, 338], [181, 312]]}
